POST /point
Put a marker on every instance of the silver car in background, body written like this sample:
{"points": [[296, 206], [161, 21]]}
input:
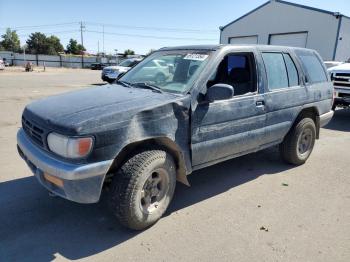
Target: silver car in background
{"points": [[111, 73]]}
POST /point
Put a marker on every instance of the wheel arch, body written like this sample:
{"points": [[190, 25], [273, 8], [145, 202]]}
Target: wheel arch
{"points": [[311, 112], [164, 143]]}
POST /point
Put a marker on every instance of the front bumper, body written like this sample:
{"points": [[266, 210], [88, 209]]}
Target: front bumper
{"points": [[81, 183], [324, 119]]}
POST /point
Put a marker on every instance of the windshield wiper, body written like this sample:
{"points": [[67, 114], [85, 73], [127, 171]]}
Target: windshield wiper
{"points": [[147, 86], [123, 83]]}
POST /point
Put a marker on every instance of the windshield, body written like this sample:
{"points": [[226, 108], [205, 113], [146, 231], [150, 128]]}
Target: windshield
{"points": [[174, 71], [127, 63]]}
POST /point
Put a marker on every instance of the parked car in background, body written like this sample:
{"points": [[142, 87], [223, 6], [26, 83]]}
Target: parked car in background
{"points": [[214, 103], [157, 70], [5, 62], [340, 75], [330, 64], [97, 66], [2, 64], [111, 73]]}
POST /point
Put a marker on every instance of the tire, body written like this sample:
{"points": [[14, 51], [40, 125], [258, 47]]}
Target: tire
{"points": [[299, 142], [143, 188], [334, 106]]}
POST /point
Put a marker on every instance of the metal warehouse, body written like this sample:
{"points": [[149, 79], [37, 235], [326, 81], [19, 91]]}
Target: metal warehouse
{"points": [[283, 23]]}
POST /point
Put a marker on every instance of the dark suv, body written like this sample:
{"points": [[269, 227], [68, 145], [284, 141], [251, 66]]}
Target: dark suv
{"points": [[138, 136]]}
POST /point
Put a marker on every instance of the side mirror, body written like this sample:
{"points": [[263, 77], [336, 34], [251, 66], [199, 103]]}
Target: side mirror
{"points": [[219, 92]]}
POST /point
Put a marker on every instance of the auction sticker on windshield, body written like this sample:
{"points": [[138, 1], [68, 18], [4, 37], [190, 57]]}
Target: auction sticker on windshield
{"points": [[197, 57]]}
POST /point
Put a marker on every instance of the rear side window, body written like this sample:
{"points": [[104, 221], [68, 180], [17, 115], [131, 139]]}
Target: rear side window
{"points": [[313, 68], [292, 71], [276, 70]]}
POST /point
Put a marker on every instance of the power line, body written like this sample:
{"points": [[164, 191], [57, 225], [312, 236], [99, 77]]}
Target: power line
{"points": [[151, 36], [163, 29], [36, 26], [51, 33]]}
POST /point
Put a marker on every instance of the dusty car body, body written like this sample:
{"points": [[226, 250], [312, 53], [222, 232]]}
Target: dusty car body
{"points": [[221, 102], [340, 75]]}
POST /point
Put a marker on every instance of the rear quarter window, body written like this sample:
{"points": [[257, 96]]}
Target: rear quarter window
{"points": [[313, 67], [276, 71]]}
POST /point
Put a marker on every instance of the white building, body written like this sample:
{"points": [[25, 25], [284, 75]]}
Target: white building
{"points": [[283, 23]]}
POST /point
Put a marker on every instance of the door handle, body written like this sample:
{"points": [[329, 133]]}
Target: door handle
{"points": [[260, 103]]}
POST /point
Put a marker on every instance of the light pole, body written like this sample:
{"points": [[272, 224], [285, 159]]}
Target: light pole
{"points": [[116, 56], [24, 53]]}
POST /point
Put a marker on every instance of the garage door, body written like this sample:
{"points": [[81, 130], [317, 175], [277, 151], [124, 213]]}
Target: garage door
{"points": [[292, 39], [244, 40]]}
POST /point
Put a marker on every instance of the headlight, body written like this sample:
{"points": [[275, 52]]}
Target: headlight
{"points": [[69, 147]]}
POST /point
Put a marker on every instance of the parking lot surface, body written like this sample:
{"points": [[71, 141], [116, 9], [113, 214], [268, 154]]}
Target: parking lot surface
{"points": [[252, 208]]}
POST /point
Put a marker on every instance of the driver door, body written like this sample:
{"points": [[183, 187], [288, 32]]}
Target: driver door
{"points": [[226, 128]]}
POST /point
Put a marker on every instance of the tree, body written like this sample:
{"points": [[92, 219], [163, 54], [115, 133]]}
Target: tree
{"points": [[74, 48], [38, 43], [54, 45], [10, 41], [150, 51], [129, 52]]}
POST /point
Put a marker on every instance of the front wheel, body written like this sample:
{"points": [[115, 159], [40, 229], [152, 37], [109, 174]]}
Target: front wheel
{"points": [[143, 188], [299, 142]]}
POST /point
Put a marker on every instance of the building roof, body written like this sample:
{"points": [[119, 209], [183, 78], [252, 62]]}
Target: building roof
{"points": [[287, 3]]}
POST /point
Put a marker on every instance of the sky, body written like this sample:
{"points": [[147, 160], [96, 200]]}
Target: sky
{"points": [[139, 25]]}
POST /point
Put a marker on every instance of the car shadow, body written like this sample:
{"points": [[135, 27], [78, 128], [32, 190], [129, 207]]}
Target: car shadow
{"points": [[36, 227], [340, 121]]}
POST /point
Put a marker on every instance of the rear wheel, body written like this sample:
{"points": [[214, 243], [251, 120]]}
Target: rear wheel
{"points": [[299, 142], [143, 188]]}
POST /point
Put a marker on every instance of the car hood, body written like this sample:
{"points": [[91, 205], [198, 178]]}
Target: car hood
{"points": [[340, 68], [89, 109]]}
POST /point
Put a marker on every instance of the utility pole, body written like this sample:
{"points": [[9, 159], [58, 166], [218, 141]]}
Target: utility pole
{"points": [[82, 43], [98, 47], [103, 39]]}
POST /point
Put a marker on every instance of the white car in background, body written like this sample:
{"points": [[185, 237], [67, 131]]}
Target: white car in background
{"points": [[330, 64], [157, 70], [340, 76], [111, 73]]}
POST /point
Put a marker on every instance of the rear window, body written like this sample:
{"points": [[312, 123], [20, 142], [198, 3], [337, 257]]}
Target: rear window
{"points": [[313, 67]]}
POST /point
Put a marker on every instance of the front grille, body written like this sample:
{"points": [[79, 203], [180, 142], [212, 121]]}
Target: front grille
{"points": [[33, 131], [341, 79]]}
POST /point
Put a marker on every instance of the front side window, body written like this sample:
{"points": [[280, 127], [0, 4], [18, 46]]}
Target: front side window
{"points": [[237, 70], [276, 71], [313, 67], [174, 71]]}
